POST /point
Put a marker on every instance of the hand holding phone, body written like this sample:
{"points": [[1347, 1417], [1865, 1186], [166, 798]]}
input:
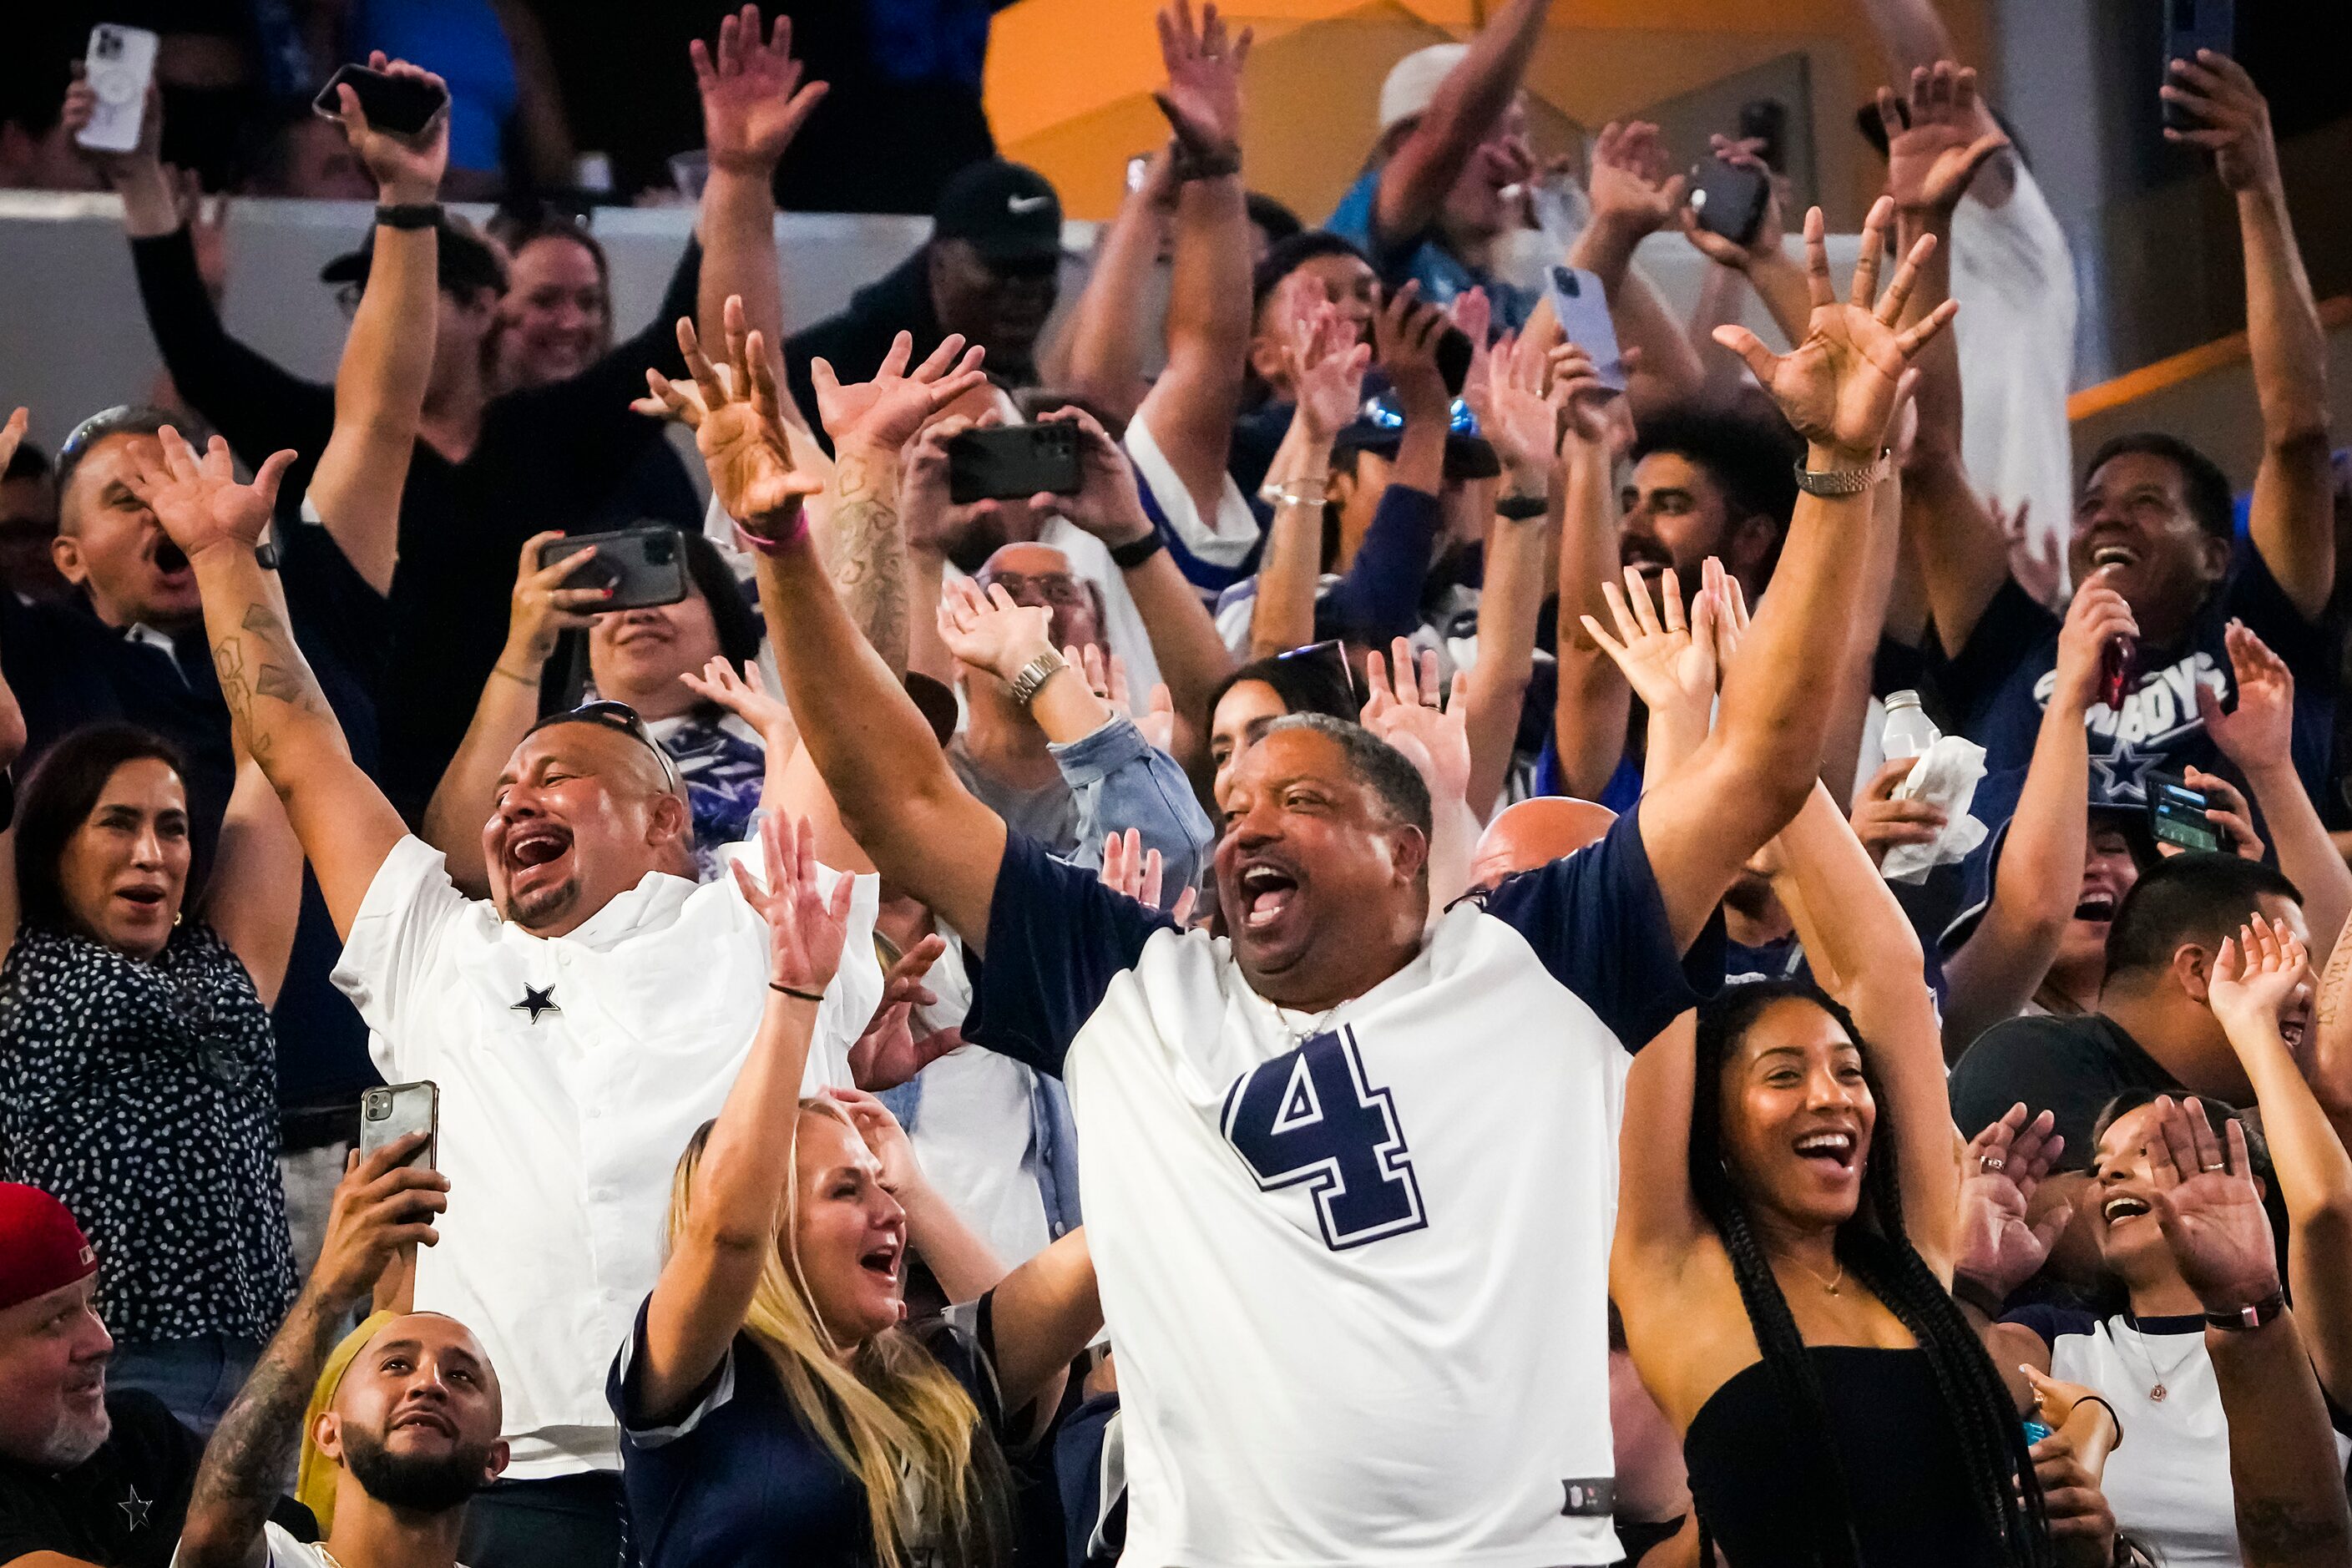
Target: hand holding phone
{"points": [[1013, 462], [387, 1115], [119, 69], [2190, 25], [1581, 304], [2175, 814], [643, 566], [402, 101], [1729, 199]]}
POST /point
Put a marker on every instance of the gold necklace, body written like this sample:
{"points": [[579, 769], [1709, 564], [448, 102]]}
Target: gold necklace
{"points": [[1830, 1284], [2158, 1392]]}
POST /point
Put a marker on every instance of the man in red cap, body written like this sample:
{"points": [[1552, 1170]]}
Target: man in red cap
{"points": [[84, 1477]]}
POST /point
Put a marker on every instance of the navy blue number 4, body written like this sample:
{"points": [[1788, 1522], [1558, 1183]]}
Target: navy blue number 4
{"points": [[1310, 1117]]}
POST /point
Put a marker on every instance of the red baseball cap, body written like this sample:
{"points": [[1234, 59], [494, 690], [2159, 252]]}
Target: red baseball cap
{"points": [[41, 1247]]}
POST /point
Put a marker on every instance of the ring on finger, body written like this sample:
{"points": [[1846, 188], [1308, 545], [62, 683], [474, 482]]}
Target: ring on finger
{"points": [[1992, 1162]]}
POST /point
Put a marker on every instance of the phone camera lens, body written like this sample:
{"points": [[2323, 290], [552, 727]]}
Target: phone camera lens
{"points": [[660, 551], [375, 1105]]}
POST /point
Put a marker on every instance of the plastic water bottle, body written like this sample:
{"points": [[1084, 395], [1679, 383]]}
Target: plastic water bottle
{"points": [[1909, 732]]}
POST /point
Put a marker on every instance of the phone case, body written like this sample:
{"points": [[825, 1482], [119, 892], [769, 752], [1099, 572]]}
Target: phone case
{"points": [[120, 63], [389, 1114], [1581, 304], [1013, 462], [2190, 25], [1729, 199], [2177, 815], [644, 566], [401, 105]]}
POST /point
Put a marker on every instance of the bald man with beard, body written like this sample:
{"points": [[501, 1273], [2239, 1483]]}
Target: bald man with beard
{"points": [[413, 1429]]}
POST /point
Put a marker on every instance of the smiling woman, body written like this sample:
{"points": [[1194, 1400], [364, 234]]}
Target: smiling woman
{"points": [[111, 983]]}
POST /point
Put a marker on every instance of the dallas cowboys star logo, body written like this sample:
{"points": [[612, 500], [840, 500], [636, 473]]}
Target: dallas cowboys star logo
{"points": [[134, 1509], [2123, 772], [535, 1001]]}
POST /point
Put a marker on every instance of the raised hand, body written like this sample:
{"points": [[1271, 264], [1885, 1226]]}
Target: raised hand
{"points": [[81, 105], [754, 100], [745, 694], [1405, 333], [1404, 713], [1670, 664], [199, 501], [886, 413], [1106, 502], [1838, 388], [1632, 185], [2038, 561], [989, 631], [2210, 1207], [12, 434], [1731, 617], [541, 608], [1994, 1242], [2226, 809], [1128, 867], [1881, 821], [1517, 418], [1202, 100], [406, 169], [889, 1052], [1158, 721], [1326, 365], [805, 929], [1586, 405], [2098, 615], [739, 428], [1771, 230], [1935, 150], [382, 1206], [2258, 733], [2257, 976], [2236, 120]]}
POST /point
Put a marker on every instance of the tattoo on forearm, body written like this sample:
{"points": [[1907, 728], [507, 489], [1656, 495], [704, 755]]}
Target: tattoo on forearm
{"points": [[252, 1451], [868, 558], [260, 660]]}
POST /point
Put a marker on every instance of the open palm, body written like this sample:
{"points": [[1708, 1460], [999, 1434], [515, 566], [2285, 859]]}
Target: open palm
{"points": [[199, 501], [753, 102], [2210, 1210], [1931, 158], [1202, 100], [890, 410], [739, 427]]}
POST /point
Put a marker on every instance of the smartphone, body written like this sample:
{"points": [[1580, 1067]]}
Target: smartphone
{"points": [[119, 65], [1729, 199], [2190, 25], [1137, 167], [403, 105], [642, 565], [1765, 120], [2176, 814], [390, 1114], [1013, 462], [1581, 304]]}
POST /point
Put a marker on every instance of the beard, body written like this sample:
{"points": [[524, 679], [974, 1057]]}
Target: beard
{"points": [[428, 1485], [74, 1439]]}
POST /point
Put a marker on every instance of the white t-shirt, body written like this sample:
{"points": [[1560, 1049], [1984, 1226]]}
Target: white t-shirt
{"points": [[573, 1071], [2169, 1480], [1355, 1266], [2014, 279], [975, 1129], [282, 1551]]}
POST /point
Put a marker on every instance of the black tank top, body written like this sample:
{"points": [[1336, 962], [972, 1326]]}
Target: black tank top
{"points": [[1903, 1475]]}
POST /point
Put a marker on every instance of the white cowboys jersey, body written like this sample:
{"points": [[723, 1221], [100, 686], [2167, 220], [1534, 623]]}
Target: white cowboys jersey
{"points": [[1355, 1266]]}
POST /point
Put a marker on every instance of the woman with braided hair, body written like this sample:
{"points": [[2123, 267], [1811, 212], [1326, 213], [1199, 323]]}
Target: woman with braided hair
{"points": [[1783, 1254]]}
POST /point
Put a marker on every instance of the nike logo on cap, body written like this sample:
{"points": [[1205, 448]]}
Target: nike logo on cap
{"points": [[1026, 203]]}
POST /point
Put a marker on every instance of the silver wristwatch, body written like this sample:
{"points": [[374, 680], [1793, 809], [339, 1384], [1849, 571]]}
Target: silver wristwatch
{"points": [[1035, 674], [1844, 482]]}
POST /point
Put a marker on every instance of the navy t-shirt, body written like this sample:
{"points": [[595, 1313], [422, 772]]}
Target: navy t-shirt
{"points": [[1999, 682], [740, 1478]]}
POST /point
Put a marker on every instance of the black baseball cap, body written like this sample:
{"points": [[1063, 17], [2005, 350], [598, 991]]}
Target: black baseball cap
{"points": [[465, 261], [1005, 211]]}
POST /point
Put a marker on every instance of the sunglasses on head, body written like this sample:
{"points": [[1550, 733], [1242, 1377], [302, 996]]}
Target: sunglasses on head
{"points": [[1382, 411], [622, 719], [1330, 656]]}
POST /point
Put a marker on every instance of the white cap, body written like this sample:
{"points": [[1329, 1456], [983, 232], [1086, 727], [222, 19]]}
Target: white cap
{"points": [[1413, 80]]}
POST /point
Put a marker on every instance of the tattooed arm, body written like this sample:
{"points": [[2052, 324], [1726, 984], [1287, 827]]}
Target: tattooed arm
{"points": [[381, 1208], [346, 825], [866, 549]]}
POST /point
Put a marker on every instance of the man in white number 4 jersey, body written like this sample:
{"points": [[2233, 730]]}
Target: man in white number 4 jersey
{"points": [[1347, 1188]]}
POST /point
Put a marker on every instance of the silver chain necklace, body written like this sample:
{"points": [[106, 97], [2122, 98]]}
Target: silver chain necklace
{"points": [[2158, 1389]]}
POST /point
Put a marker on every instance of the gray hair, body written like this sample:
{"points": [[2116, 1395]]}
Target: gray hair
{"points": [[1375, 763]]}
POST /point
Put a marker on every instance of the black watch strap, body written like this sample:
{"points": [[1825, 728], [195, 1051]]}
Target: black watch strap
{"points": [[1130, 556], [2253, 1315], [1522, 509], [408, 215]]}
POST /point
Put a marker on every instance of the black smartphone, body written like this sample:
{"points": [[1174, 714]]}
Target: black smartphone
{"points": [[1013, 462], [400, 104], [1729, 199], [2190, 25], [1765, 120], [389, 1114], [644, 566], [2176, 814]]}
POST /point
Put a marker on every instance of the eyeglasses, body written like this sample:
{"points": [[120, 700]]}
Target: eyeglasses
{"points": [[1383, 410], [1056, 589], [622, 719]]}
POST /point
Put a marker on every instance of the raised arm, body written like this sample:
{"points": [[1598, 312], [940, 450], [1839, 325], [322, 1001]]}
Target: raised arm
{"points": [[1838, 390], [753, 103], [1934, 146], [1471, 98], [2258, 735], [2293, 518], [1669, 661], [255, 895], [1657, 1218], [2040, 877], [1100, 356], [281, 718], [738, 1191], [1189, 409], [1594, 705], [388, 358], [542, 610], [1764, 261], [1633, 196], [2259, 976], [1327, 367], [382, 1207], [1913, 37], [2284, 1471], [858, 727], [1402, 709]]}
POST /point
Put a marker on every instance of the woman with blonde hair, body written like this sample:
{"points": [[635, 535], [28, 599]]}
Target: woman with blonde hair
{"points": [[773, 1404]]}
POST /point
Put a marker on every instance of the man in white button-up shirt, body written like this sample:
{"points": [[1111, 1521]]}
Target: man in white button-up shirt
{"points": [[580, 1024]]}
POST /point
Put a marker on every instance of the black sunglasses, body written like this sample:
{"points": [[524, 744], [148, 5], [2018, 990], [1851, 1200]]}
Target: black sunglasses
{"points": [[1332, 655]]}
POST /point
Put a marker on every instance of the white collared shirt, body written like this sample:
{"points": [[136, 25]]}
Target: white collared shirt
{"points": [[560, 1128]]}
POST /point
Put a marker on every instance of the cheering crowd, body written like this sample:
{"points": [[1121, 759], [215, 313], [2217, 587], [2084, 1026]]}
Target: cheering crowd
{"points": [[1482, 926]]}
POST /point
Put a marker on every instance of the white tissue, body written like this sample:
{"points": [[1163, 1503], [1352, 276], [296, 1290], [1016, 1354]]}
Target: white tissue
{"points": [[1945, 776]]}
